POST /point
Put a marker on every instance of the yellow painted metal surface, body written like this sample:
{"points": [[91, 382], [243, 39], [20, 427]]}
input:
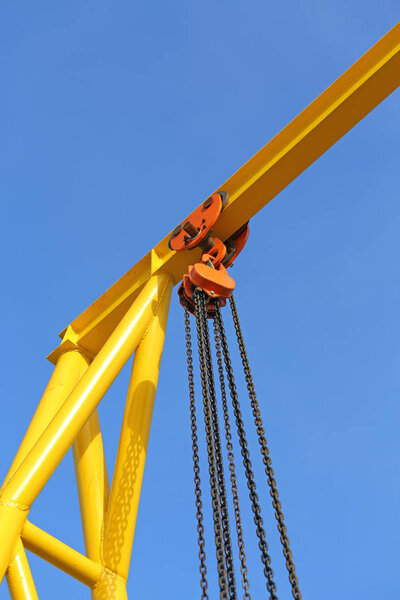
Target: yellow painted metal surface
{"points": [[28, 480], [110, 587], [341, 106], [131, 457], [60, 555], [69, 369], [92, 481], [65, 376], [19, 576]]}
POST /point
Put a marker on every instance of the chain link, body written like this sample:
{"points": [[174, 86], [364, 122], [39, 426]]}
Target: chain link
{"points": [[196, 467], [232, 469], [225, 566], [210, 450], [263, 545], [218, 455], [266, 456]]}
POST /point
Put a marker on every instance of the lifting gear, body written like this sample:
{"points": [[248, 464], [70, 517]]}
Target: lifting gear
{"points": [[223, 540], [196, 298], [210, 274]]}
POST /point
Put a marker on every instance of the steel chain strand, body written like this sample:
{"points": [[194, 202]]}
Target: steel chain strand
{"points": [[196, 467], [210, 452], [266, 456], [262, 543], [218, 456], [232, 469]]}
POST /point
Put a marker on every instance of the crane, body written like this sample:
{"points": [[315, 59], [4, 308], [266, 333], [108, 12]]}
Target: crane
{"points": [[131, 316]]}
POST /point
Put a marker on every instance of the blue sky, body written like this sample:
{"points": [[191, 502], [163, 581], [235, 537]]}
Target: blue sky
{"points": [[117, 119]]}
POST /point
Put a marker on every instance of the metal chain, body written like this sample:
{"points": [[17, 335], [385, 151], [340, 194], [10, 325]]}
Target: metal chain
{"points": [[232, 469], [218, 454], [196, 467], [263, 545], [265, 456], [210, 451]]}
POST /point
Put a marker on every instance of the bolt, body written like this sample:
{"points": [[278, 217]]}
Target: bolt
{"points": [[190, 229], [208, 203]]}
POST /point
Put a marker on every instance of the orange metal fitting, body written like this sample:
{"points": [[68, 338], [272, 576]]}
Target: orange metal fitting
{"points": [[235, 244], [195, 230], [210, 274]]}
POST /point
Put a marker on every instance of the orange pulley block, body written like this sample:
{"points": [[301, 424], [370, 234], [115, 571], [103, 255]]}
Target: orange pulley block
{"points": [[210, 274]]}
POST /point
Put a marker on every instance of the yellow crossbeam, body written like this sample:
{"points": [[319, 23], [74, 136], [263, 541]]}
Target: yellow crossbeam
{"points": [[341, 106], [60, 555]]}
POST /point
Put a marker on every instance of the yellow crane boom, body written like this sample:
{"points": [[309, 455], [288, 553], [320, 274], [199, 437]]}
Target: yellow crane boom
{"points": [[328, 118]]}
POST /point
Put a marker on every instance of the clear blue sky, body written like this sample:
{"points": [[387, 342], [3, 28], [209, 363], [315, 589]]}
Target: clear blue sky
{"points": [[116, 119]]}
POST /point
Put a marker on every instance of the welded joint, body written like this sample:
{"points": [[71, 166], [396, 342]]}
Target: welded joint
{"points": [[108, 579], [69, 344], [10, 503]]}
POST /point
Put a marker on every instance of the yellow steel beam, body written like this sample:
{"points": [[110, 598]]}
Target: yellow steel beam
{"points": [[60, 555], [69, 369], [92, 481], [65, 376], [19, 577], [341, 106], [129, 465]]}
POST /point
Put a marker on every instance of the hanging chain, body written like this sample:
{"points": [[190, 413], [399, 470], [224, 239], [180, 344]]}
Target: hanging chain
{"points": [[231, 458], [210, 451], [266, 457], [218, 455], [263, 545], [196, 467]]}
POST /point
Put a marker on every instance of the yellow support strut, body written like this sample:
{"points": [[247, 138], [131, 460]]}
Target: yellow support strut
{"points": [[131, 457], [60, 555], [19, 577], [92, 481], [71, 366]]}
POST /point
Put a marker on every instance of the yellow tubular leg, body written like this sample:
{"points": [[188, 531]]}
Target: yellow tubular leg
{"points": [[67, 373], [70, 366], [29, 479], [92, 480], [19, 577], [128, 474]]}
